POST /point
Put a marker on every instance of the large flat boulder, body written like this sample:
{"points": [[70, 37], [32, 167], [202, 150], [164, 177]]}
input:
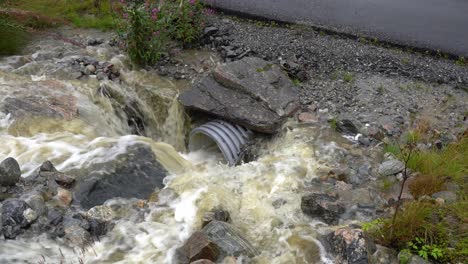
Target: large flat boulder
{"points": [[134, 174], [250, 92]]}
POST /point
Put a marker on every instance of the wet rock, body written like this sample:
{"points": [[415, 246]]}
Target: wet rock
{"points": [[362, 174], [59, 178], [10, 172], [249, 92], [307, 117], [346, 127], [217, 214], [323, 206], [101, 212], [203, 261], [447, 196], [89, 69], [64, 197], [406, 257], [47, 166], [13, 217], [384, 255], [228, 239], [349, 245], [100, 220], [76, 235], [391, 167], [209, 31], [135, 173], [55, 106], [94, 42], [199, 246], [37, 203], [364, 141]]}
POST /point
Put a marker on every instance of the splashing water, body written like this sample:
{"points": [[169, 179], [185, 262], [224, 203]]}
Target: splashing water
{"points": [[263, 197]]}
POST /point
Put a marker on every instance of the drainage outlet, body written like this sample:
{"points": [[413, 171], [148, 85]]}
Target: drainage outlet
{"points": [[230, 139]]}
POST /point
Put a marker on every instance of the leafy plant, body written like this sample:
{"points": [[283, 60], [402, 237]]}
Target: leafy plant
{"points": [[424, 250], [372, 225], [149, 27]]}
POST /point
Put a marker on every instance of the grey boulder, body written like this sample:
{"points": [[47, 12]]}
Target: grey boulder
{"points": [[10, 172], [349, 245], [14, 217], [134, 174], [250, 92], [323, 206], [391, 167]]}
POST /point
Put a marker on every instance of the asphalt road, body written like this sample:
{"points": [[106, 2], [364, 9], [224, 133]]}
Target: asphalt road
{"points": [[428, 24]]}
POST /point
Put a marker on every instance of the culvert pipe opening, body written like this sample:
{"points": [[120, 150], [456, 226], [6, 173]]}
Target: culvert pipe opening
{"points": [[221, 137]]}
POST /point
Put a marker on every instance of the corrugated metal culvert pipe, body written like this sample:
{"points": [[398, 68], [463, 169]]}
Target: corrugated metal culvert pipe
{"points": [[230, 139]]}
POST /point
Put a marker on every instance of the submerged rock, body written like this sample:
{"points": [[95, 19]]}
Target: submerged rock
{"points": [[199, 246], [323, 206], [216, 214], [229, 240], [349, 245], [15, 217], [135, 173], [10, 172], [250, 92]]}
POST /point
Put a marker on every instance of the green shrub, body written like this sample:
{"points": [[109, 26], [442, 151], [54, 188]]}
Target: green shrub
{"points": [[12, 37], [151, 26]]}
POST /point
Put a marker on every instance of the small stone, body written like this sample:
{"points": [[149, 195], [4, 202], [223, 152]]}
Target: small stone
{"points": [[30, 215], [217, 214], [440, 201], [198, 246], [384, 255], [447, 196], [323, 206], [101, 212], [307, 117], [13, 219], [391, 167], [37, 203], [101, 76], [209, 31], [364, 141], [64, 196], [48, 167], [278, 203], [350, 245], [76, 75], [417, 260], [10, 172], [346, 127], [63, 179], [202, 261], [76, 235], [90, 69]]}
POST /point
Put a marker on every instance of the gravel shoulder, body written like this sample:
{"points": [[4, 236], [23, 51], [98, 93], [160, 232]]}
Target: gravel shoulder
{"points": [[369, 83]]}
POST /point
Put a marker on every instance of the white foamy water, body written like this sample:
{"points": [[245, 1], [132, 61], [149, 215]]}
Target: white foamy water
{"points": [[263, 196]]}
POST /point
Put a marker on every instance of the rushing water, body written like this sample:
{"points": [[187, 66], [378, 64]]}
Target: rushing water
{"points": [[263, 196]]}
